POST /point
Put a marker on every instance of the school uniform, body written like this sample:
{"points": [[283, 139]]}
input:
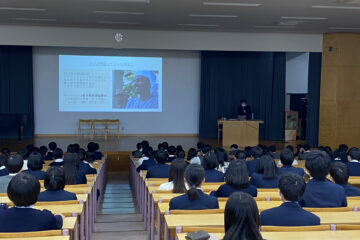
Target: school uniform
{"points": [[137, 153], [86, 168], [170, 158], [195, 160], [158, 171], [226, 190], [27, 219], [4, 182], [285, 169], [233, 152], [50, 155], [288, 214], [251, 166], [56, 195], [302, 155], [275, 155], [204, 201], [3, 171], [324, 194], [81, 178], [351, 191], [40, 175], [98, 155], [146, 164], [212, 175], [57, 163], [354, 168], [258, 181]]}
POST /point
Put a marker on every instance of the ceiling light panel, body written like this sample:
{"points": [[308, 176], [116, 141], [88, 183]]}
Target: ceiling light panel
{"points": [[231, 4], [305, 18], [118, 23], [213, 15], [22, 9], [35, 19], [336, 7], [117, 12], [198, 25]]}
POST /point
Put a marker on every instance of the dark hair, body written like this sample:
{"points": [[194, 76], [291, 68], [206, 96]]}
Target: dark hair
{"points": [[176, 175], [71, 165], [206, 148], [71, 148], [234, 146], [194, 175], [14, 163], [256, 152], [35, 161], [138, 146], [81, 154], [5, 151], [306, 147], [267, 166], [171, 150], [161, 156], [165, 145], [3, 159], [54, 179], [287, 157], [91, 147], [354, 154], [191, 153], [298, 149], [240, 155], [160, 146], [77, 146], [58, 153], [339, 172], [241, 218], [43, 150], [318, 164], [179, 148], [340, 154], [291, 148], [237, 174], [23, 190], [90, 157], [52, 146], [23, 153], [199, 145], [292, 186], [221, 156], [272, 148], [30, 148], [145, 144], [343, 147], [210, 161], [180, 154]]}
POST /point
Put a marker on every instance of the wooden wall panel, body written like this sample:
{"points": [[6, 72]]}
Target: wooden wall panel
{"points": [[118, 161]]}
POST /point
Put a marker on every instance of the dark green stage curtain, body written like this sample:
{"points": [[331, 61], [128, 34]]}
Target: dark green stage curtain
{"points": [[312, 123], [16, 88], [228, 77]]}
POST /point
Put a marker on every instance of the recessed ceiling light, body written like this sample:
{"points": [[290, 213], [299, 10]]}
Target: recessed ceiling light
{"points": [[344, 28], [22, 9], [274, 26], [116, 12], [198, 25], [232, 4], [120, 23], [213, 15], [305, 18], [336, 7], [35, 19]]}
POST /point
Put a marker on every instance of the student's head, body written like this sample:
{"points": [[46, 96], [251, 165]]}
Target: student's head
{"points": [[138, 146], [272, 148], [317, 165], [14, 163], [58, 153], [234, 147], [206, 148], [243, 102], [2, 159], [287, 157], [23, 153], [161, 156], [43, 150], [237, 174], [54, 179], [52, 146], [306, 147], [71, 148], [160, 146], [23, 190], [210, 161], [339, 173], [194, 176], [180, 154], [97, 146], [292, 187], [5, 151], [91, 147], [90, 157], [30, 148], [267, 166], [145, 144], [257, 152], [35, 161], [199, 145], [240, 155], [241, 217], [291, 148], [179, 148], [343, 147], [191, 153], [171, 150], [354, 154], [165, 145], [221, 156], [340, 156], [71, 165], [176, 174], [81, 154]]}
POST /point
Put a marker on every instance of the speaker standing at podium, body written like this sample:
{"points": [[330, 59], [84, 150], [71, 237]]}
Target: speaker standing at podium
{"points": [[244, 110]]}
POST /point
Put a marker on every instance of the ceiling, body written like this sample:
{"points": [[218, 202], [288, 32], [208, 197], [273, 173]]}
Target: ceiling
{"points": [[293, 16]]}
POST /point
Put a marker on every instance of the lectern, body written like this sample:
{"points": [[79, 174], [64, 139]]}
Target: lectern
{"points": [[242, 133]]}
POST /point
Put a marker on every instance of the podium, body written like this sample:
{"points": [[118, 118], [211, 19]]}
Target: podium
{"points": [[242, 133]]}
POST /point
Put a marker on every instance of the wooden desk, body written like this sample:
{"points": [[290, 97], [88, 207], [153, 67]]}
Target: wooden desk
{"points": [[242, 133]]}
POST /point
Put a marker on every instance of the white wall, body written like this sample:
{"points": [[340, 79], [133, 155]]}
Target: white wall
{"points": [[297, 69], [181, 99]]}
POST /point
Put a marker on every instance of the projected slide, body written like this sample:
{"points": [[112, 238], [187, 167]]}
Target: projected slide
{"points": [[110, 84]]}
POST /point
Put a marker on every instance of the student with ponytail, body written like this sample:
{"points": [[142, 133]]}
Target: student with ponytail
{"points": [[194, 198]]}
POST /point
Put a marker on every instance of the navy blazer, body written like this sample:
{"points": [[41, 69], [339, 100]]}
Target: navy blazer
{"points": [[258, 181], [86, 168], [27, 220], [212, 175], [56, 164], [49, 156], [204, 201], [56, 195], [170, 159], [251, 166], [226, 190], [351, 191], [288, 214], [146, 164], [158, 171], [354, 168], [81, 178], [323, 194], [40, 175], [4, 172], [292, 169], [98, 155]]}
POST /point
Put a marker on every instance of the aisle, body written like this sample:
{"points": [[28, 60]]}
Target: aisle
{"points": [[119, 217]]}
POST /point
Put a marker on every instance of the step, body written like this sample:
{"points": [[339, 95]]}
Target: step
{"points": [[119, 227], [118, 205], [117, 210], [119, 218], [118, 200], [131, 235]]}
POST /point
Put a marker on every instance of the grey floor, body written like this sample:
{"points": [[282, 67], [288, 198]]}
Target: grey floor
{"points": [[119, 218]]}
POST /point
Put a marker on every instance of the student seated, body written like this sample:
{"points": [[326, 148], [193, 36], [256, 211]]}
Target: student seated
{"points": [[54, 184], [58, 155], [97, 154], [194, 198], [35, 166], [145, 156], [138, 152], [222, 159], [237, 180], [176, 177], [85, 165], [171, 151], [13, 164], [146, 162], [180, 154], [24, 153], [290, 213], [287, 160], [241, 218], [71, 169], [233, 149], [339, 174], [210, 164], [303, 152], [256, 153], [353, 162], [5, 151], [319, 191], [266, 174], [160, 170], [52, 146], [43, 151], [273, 153], [23, 191], [192, 156], [3, 171]]}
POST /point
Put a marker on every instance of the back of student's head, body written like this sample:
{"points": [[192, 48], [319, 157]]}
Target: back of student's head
{"points": [[138, 146], [240, 154], [145, 144], [43, 150], [58, 153], [91, 147], [257, 152], [343, 147], [23, 190], [35, 161], [70, 167], [199, 145], [237, 174], [267, 167], [71, 148], [194, 176], [291, 148], [2, 159], [90, 157], [81, 154], [165, 145], [52, 146], [292, 186], [54, 179], [14, 163], [340, 156], [210, 161], [354, 153], [306, 147], [191, 153], [180, 154], [318, 164], [234, 146], [161, 156], [160, 146], [287, 157], [221, 156], [179, 148], [23, 153], [339, 172], [241, 218], [171, 150], [5, 151], [176, 174], [272, 148]]}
